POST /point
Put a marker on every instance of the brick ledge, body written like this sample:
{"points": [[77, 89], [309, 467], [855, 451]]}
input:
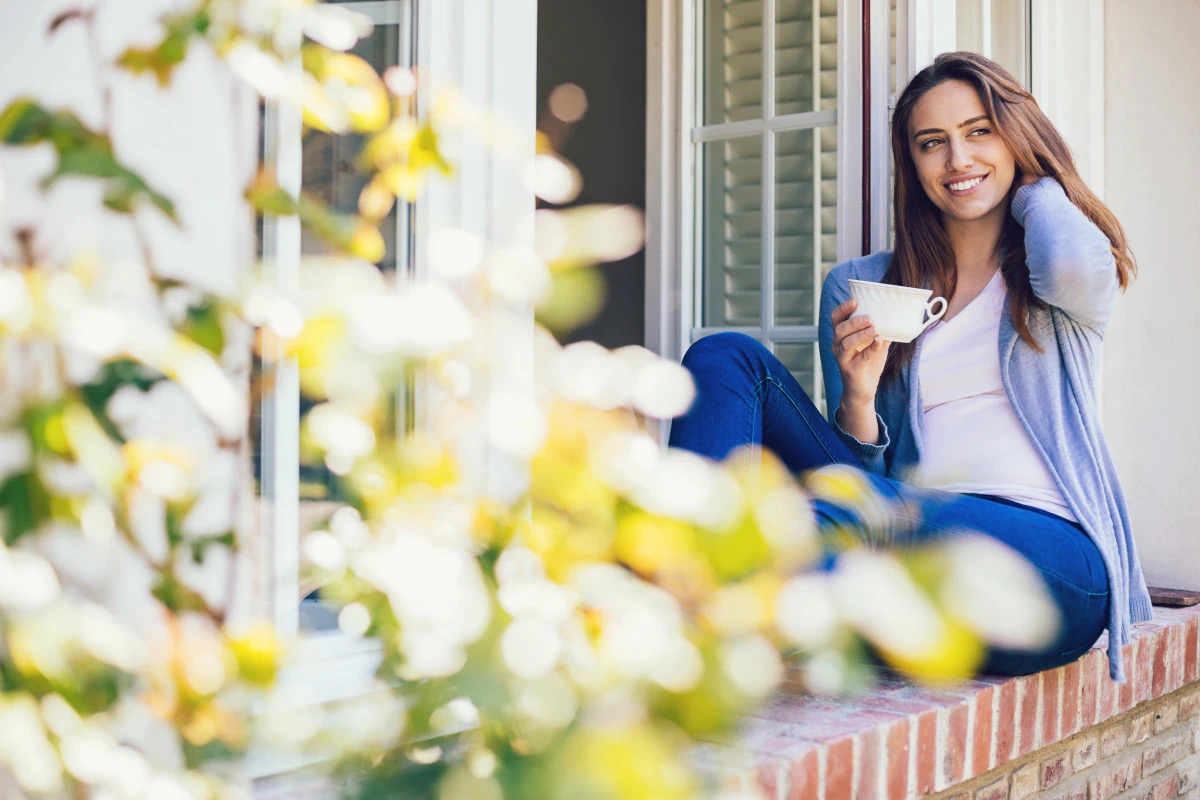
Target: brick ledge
{"points": [[900, 741]]}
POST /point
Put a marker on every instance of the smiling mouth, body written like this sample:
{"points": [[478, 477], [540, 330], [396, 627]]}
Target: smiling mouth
{"points": [[965, 187]]}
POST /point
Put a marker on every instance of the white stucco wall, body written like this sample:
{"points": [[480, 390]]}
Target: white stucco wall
{"points": [[1152, 353], [195, 142]]}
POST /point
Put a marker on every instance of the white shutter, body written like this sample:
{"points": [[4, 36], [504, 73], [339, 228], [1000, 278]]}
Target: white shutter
{"points": [[803, 219]]}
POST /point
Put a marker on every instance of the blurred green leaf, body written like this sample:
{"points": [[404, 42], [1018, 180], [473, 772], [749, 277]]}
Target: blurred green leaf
{"points": [[81, 152], [111, 377], [203, 326], [25, 502], [177, 597], [200, 545], [162, 58]]}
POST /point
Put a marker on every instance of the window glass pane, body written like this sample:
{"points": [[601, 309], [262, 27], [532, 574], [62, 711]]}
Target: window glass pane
{"points": [[731, 48], [800, 358], [331, 171], [805, 65], [731, 225], [997, 29], [805, 221]]}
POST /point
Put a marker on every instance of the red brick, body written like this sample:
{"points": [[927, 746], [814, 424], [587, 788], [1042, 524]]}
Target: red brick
{"points": [[1140, 727], [1005, 723], [1077, 793], [804, 775], [1085, 753], [1145, 674], [1160, 664], [1107, 693], [768, 777], [1166, 717], [1089, 686], [897, 761], [1050, 683], [981, 758], [1055, 769], [1111, 782], [1030, 724], [1024, 782], [870, 763], [1175, 657], [839, 769], [819, 720], [1070, 698], [1191, 659], [926, 752], [1165, 790], [996, 790], [1165, 752], [1112, 741], [953, 756], [1129, 655], [1189, 703], [1189, 776]]}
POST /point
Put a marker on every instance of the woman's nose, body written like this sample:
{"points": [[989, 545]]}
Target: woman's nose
{"points": [[958, 157]]}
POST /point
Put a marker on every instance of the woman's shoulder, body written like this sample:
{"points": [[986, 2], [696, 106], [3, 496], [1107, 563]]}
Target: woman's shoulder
{"points": [[864, 268]]}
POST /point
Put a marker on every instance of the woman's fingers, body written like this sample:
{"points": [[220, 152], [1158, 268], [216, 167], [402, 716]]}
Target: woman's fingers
{"points": [[842, 312], [847, 327], [856, 342]]}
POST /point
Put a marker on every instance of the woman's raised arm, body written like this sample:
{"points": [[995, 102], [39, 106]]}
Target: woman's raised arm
{"points": [[1070, 260]]}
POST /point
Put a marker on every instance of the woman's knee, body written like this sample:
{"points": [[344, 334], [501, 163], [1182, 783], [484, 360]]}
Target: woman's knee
{"points": [[723, 349]]}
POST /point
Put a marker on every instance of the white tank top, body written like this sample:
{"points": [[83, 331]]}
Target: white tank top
{"points": [[973, 441]]}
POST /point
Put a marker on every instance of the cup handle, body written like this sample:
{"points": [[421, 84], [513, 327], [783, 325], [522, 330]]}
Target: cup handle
{"points": [[934, 317]]}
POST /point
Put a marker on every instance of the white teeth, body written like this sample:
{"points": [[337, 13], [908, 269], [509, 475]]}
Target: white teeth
{"points": [[958, 187]]}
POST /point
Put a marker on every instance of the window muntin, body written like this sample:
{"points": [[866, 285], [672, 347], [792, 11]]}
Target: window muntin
{"points": [[765, 150]]}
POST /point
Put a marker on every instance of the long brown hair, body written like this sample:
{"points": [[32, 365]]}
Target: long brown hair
{"points": [[923, 256]]}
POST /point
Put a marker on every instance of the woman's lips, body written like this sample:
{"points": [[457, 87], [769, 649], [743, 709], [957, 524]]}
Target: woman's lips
{"points": [[972, 185]]}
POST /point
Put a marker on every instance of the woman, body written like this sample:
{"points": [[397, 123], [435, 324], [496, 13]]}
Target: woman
{"points": [[988, 421]]}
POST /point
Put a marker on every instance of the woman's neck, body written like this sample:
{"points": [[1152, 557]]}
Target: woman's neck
{"points": [[974, 243]]}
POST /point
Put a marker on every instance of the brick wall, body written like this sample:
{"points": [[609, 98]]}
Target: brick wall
{"points": [[1149, 753]]}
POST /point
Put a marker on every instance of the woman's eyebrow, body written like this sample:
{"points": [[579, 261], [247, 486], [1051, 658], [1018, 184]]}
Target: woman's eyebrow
{"points": [[971, 121]]}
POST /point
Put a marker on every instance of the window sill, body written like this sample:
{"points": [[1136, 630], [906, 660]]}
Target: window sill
{"points": [[901, 741]]}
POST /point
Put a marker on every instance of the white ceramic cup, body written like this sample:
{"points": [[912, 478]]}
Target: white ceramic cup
{"points": [[897, 312]]}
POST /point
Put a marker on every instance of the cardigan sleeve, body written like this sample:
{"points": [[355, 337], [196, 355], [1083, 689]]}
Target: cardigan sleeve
{"points": [[1071, 264], [835, 292]]}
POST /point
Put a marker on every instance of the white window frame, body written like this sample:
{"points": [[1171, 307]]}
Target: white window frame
{"points": [[486, 50], [924, 29], [279, 561], [673, 140]]}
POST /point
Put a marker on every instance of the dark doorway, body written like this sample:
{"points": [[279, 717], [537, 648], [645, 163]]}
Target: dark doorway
{"points": [[600, 45]]}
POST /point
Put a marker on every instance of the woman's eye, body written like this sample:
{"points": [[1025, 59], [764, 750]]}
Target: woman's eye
{"points": [[980, 131], [929, 143]]}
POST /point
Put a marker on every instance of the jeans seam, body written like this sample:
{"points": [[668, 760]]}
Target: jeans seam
{"points": [[799, 412]]}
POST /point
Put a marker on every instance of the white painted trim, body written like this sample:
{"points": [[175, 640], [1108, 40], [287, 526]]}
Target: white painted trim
{"points": [[881, 166], [766, 293], [381, 12], [280, 411], [277, 568], [788, 122], [776, 333], [931, 31], [849, 117], [664, 181]]}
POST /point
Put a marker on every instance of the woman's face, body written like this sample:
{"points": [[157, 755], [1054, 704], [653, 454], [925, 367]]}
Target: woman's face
{"points": [[963, 164]]}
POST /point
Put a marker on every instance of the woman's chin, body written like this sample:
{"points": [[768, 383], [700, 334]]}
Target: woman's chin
{"points": [[971, 211]]}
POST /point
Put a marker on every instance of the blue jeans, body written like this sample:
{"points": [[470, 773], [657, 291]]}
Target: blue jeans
{"points": [[746, 396]]}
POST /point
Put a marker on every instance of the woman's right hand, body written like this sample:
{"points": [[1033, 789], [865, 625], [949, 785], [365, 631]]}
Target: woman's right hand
{"points": [[860, 356]]}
